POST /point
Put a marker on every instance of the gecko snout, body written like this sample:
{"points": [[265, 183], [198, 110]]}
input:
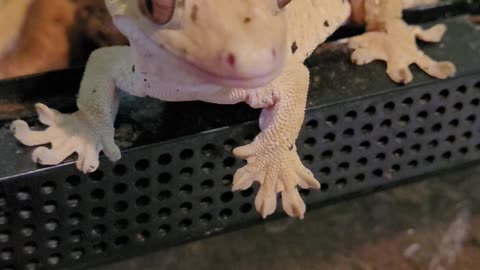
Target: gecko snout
{"points": [[250, 63]]}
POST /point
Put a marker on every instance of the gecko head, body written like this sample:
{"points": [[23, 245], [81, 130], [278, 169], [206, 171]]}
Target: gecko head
{"points": [[235, 43]]}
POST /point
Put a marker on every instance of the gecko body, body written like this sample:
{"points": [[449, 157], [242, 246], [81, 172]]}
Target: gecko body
{"points": [[228, 52]]}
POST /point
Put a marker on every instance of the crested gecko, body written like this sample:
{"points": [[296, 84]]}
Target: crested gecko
{"points": [[228, 52]]}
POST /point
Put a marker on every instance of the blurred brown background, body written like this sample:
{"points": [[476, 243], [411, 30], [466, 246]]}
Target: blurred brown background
{"points": [[53, 34]]}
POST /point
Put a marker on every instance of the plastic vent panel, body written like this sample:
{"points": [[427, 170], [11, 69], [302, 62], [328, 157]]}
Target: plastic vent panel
{"points": [[170, 193]]}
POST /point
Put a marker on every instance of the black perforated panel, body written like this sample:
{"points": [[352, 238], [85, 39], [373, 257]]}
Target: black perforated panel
{"points": [[174, 192]]}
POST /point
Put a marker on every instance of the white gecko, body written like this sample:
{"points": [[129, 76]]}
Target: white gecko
{"points": [[228, 52]]}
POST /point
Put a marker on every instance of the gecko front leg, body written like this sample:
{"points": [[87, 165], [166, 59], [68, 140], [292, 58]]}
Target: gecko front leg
{"points": [[392, 40], [89, 130], [272, 159]]}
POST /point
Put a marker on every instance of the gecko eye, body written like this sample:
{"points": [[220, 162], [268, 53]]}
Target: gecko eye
{"points": [[158, 11], [283, 3]]}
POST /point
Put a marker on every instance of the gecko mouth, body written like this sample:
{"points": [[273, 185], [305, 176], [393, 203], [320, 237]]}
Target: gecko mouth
{"points": [[254, 81]]}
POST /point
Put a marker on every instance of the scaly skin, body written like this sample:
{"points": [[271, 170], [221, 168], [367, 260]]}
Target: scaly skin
{"points": [[221, 52]]}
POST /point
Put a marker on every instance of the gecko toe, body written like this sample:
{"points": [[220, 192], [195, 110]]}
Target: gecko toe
{"points": [[243, 179], [246, 151], [400, 75], [265, 202], [293, 204], [306, 178], [88, 161], [46, 115], [445, 70], [111, 150]]}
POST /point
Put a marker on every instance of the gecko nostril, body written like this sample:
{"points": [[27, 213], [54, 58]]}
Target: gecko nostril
{"points": [[231, 59], [274, 53]]}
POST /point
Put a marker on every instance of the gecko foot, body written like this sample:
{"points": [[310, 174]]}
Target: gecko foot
{"points": [[276, 171], [67, 134], [396, 45]]}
